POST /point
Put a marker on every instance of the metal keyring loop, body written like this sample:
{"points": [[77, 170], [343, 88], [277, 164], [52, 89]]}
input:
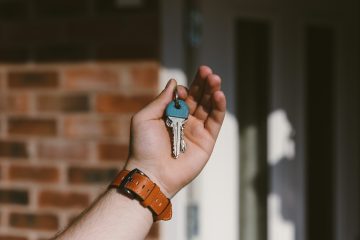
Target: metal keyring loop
{"points": [[177, 105]]}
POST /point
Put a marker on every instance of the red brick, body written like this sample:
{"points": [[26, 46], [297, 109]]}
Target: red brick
{"points": [[63, 199], [145, 75], [32, 32], [14, 10], [34, 174], [65, 103], [95, 78], [11, 196], [32, 79], [112, 151], [13, 149], [60, 8], [106, 103], [78, 175], [68, 150], [61, 52], [133, 52], [11, 237], [93, 128], [108, 7], [98, 31], [34, 221], [14, 54], [18, 103], [32, 126]]}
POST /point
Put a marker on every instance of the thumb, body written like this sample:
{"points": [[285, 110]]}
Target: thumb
{"points": [[156, 108]]}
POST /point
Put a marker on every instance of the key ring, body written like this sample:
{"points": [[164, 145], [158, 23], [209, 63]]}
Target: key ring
{"points": [[177, 105], [177, 112]]}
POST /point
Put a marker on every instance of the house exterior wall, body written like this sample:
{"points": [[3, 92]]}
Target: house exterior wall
{"points": [[64, 136], [64, 127], [72, 73], [65, 30], [288, 22]]}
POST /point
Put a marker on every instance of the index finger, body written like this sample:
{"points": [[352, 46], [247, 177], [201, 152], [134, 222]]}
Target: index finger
{"points": [[197, 87]]}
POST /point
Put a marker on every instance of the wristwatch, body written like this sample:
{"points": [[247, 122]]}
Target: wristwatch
{"points": [[136, 185]]}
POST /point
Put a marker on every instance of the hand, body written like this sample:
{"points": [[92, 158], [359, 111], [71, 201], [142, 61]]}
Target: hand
{"points": [[150, 138]]}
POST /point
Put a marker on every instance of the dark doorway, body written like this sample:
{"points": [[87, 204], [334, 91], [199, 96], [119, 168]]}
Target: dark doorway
{"points": [[320, 129], [252, 64]]}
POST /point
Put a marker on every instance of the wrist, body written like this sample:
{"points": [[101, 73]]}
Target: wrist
{"points": [[123, 203], [151, 173], [135, 184]]}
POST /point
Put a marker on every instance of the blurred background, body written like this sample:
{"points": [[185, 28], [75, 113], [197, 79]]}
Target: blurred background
{"points": [[287, 162]]}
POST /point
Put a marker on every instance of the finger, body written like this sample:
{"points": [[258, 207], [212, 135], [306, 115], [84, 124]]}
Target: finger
{"points": [[216, 116], [183, 92], [197, 87], [213, 84], [156, 108]]}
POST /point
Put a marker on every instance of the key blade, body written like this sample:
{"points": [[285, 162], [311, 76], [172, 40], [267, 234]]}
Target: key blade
{"points": [[177, 135], [176, 142], [182, 142]]}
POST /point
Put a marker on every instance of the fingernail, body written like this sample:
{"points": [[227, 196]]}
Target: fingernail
{"points": [[168, 83]]}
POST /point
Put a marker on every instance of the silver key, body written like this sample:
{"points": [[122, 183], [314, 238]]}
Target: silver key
{"points": [[182, 139], [177, 113], [178, 142]]}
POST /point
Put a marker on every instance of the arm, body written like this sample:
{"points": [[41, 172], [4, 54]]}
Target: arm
{"points": [[114, 216]]}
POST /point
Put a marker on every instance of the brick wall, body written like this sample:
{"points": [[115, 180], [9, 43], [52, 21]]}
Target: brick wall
{"points": [[71, 75], [64, 132], [77, 30]]}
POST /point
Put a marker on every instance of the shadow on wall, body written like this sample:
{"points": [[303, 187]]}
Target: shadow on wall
{"points": [[281, 159]]}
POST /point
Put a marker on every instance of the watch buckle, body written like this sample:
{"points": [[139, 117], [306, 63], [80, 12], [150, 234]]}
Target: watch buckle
{"points": [[127, 179]]}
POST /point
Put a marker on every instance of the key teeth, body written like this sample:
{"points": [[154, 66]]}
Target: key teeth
{"points": [[174, 153], [182, 143], [183, 146], [174, 150]]}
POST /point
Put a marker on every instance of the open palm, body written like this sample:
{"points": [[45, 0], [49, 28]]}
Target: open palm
{"points": [[150, 143]]}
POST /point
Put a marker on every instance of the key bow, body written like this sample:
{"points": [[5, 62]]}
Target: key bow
{"points": [[181, 112]]}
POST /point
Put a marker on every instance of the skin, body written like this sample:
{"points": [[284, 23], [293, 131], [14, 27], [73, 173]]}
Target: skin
{"points": [[114, 216], [151, 146]]}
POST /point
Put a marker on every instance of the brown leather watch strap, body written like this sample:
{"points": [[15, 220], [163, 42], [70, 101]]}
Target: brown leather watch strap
{"points": [[138, 185]]}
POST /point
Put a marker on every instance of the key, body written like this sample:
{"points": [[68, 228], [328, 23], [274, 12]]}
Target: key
{"points": [[177, 113]]}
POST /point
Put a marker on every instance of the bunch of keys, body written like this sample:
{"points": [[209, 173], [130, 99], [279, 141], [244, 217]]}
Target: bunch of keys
{"points": [[177, 112]]}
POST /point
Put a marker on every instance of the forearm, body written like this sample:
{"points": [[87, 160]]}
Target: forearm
{"points": [[113, 216]]}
